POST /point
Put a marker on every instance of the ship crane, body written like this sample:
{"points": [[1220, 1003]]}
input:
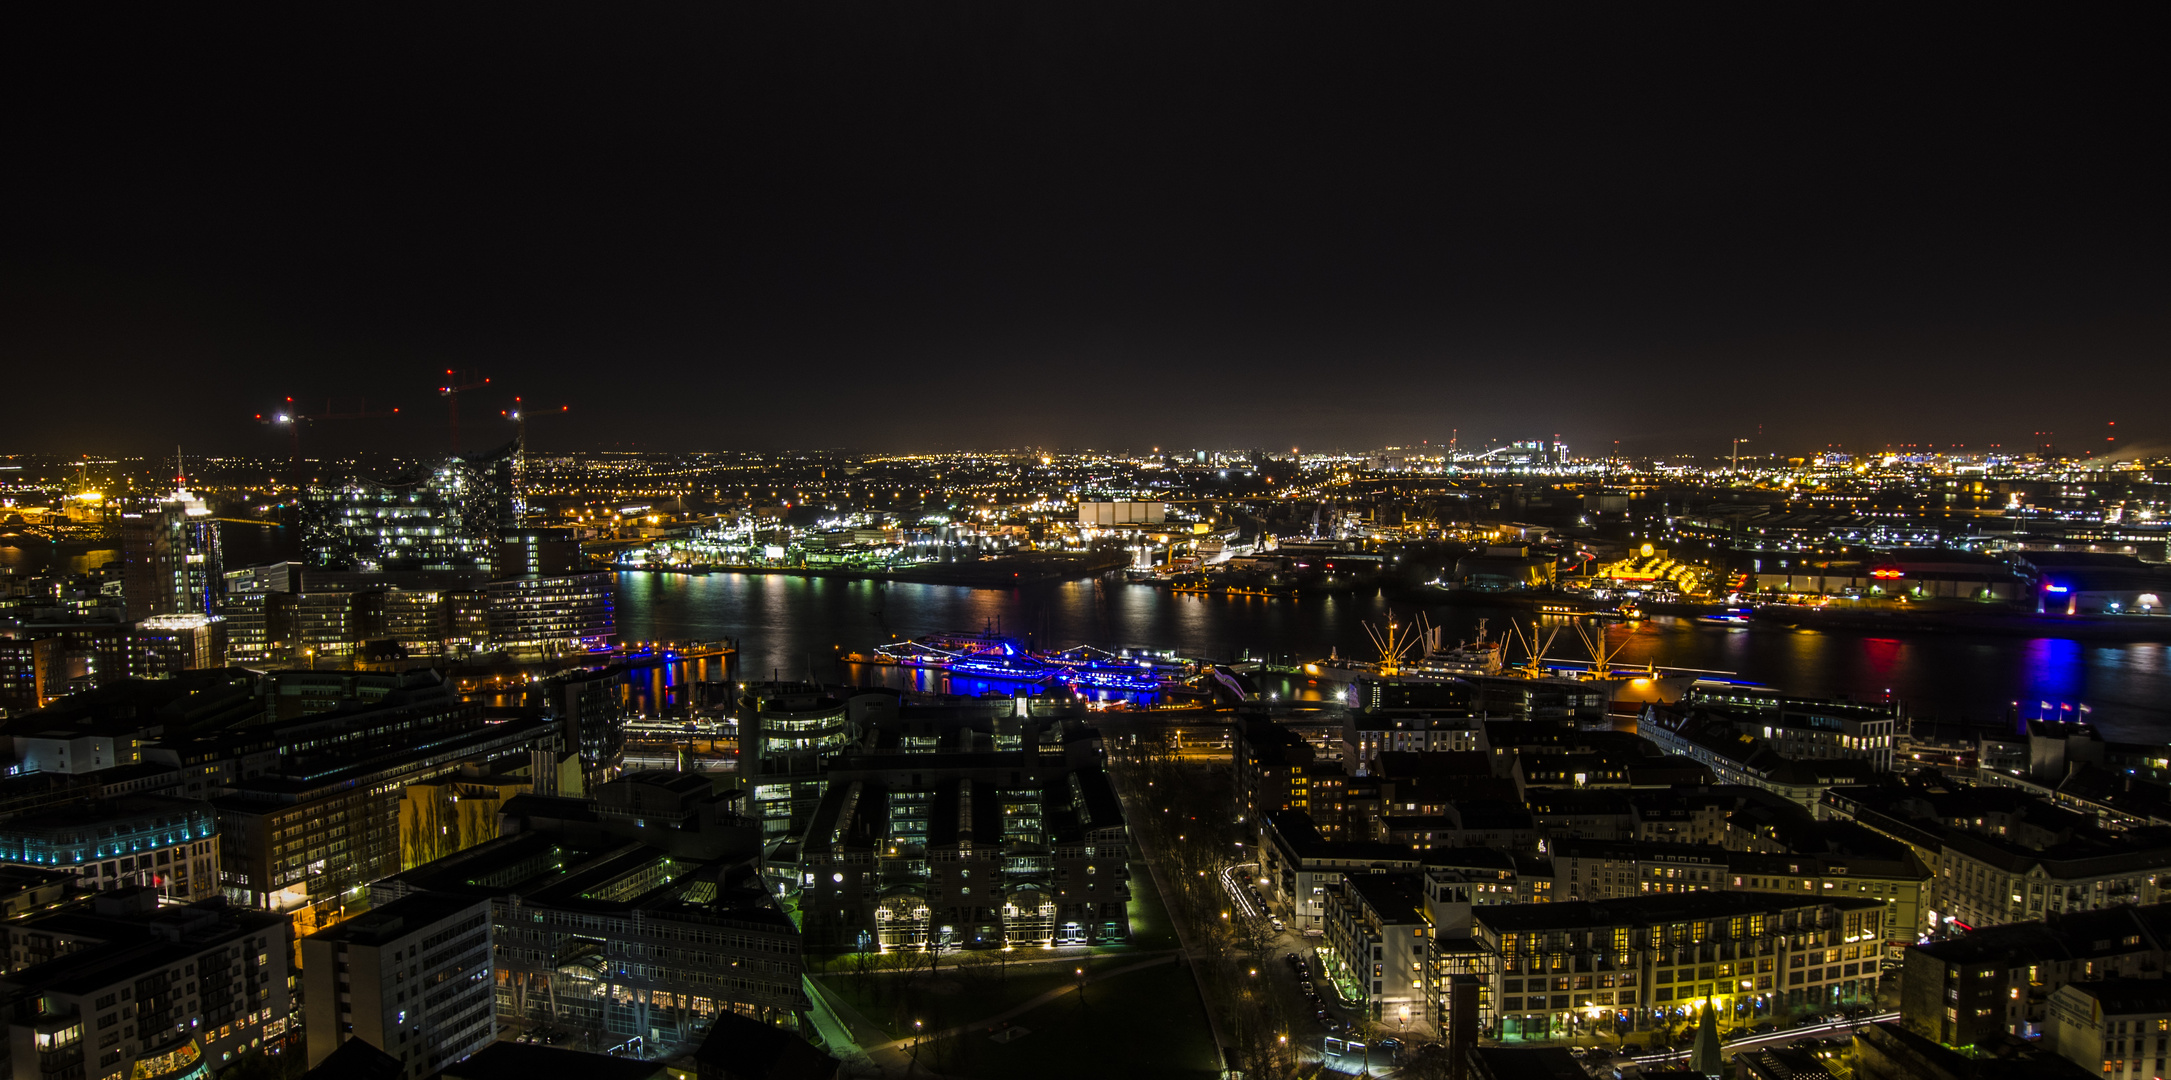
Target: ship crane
{"points": [[1594, 640], [1394, 643], [1534, 648]]}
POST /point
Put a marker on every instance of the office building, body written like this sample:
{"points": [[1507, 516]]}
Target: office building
{"points": [[156, 842], [551, 616], [31, 672], [321, 820], [786, 730], [639, 912], [448, 516], [980, 824], [412, 978], [161, 645], [591, 709], [1802, 728]]}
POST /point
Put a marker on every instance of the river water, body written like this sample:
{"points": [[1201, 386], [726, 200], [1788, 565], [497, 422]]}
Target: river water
{"points": [[791, 626]]}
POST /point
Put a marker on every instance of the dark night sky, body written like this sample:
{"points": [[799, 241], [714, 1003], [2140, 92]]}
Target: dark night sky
{"points": [[920, 226]]}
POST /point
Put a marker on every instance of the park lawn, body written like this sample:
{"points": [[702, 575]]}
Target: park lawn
{"points": [[964, 999], [1142, 1023], [1151, 928]]}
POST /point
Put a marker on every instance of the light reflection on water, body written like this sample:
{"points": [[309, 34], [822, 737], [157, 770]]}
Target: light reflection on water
{"points": [[790, 626]]}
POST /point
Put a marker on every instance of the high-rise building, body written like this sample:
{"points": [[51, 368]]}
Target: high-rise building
{"points": [[551, 615], [172, 559]]}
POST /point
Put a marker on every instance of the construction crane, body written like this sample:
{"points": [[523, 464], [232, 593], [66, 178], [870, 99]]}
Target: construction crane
{"points": [[456, 383], [293, 418], [518, 414]]}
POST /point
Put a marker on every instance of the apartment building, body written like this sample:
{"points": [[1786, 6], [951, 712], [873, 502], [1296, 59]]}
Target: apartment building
{"points": [[1562, 969], [412, 978], [120, 988], [1979, 987], [2119, 1028]]}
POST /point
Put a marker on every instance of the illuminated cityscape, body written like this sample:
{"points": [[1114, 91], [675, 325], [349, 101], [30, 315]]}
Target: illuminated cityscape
{"points": [[1064, 541]]}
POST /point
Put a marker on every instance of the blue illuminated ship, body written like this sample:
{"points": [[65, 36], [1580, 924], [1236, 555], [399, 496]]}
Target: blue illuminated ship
{"points": [[1004, 661]]}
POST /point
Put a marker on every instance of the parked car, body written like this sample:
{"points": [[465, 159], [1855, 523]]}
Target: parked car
{"points": [[1278, 925], [1308, 988]]}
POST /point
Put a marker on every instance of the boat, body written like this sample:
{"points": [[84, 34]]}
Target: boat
{"points": [[1112, 675], [1004, 660]]}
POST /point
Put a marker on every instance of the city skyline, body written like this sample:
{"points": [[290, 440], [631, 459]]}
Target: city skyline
{"points": [[1224, 539], [1117, 228]]}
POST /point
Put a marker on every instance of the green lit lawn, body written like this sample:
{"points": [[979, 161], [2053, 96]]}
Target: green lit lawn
{"points": [[1144, 1023]]}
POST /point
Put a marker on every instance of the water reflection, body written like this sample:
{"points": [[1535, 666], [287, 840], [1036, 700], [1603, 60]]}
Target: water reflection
{"points": [[32, 557], [793, 626]]}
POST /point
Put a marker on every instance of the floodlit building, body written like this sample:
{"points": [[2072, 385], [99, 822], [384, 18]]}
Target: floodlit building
{"points": [[2119, 1028], [981, 824], [167, 845], [172, 559], [1567, 968]]}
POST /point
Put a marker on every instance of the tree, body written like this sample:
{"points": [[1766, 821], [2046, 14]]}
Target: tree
{"points": [[256, 1064]]}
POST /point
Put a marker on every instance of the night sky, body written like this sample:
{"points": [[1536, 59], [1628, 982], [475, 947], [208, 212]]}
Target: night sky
{"points": [[915, 226]]}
